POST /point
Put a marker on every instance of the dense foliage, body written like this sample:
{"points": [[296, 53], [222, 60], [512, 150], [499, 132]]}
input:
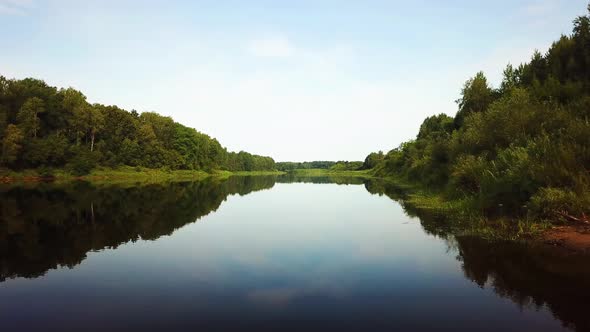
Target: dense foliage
{"points": [[521, 148], [290, 165], [347, 166], [331, 165], [45, 127]]}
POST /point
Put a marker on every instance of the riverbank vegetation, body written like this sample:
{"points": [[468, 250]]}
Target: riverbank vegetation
{"points": [[289, 166], [443, 216], [520, 150], [57, 130], [122, 174]]}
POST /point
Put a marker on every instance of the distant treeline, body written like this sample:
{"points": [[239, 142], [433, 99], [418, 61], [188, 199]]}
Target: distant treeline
{"points": [[331, 165], [522, 148], [45, 127]]}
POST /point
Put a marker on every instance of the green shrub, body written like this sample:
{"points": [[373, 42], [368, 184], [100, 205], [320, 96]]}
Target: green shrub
{"points": [[82, 161], [467, 174], [552, 202], [45, 172]]}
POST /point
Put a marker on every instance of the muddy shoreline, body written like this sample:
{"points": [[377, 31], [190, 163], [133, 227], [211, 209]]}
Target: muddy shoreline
{"points": [[574, 238]]}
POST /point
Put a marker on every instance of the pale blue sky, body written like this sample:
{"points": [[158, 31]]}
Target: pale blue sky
{"points": [[296, 80]]}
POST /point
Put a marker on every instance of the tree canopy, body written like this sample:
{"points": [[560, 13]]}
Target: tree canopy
{"points": [[42, 126], [524, 146]]}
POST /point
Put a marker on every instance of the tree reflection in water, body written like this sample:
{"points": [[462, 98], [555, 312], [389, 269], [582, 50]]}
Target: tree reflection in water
{"points": [[529, 274], [46, 226]]}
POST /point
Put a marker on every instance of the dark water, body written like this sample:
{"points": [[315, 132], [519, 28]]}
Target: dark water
{"points": [[267, 253]]}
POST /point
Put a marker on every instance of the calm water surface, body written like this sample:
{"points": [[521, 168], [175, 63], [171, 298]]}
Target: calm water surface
{"points": [[266, 253]]}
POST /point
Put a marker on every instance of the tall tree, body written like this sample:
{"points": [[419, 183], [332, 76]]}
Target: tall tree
{"points": [[75, 105], [28, 116], [510, 79], [476, 96], [582, 38], [95, 124]]}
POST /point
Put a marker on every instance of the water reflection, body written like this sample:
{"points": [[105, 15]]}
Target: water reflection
{"points": [[352, 270], [46, 225], [324, 179], [531, 276]]}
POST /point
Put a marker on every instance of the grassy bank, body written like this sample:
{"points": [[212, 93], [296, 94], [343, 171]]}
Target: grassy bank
{"points": [[459, 216], [120, 174], [463, 219]]}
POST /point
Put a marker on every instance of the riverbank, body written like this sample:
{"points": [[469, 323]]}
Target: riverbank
{"points": [[459, 217], [121, 174], [572, 237], [436, 212]]}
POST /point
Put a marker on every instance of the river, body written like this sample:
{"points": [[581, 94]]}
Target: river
{"points": [[267, 253]]}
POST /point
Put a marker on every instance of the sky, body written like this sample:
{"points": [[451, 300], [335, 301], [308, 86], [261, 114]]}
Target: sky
{"points": [[295, 80]]}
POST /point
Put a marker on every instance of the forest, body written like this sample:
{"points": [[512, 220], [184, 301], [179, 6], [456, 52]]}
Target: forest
{"points": [[42, 127], [519, 149], [287, 166]]}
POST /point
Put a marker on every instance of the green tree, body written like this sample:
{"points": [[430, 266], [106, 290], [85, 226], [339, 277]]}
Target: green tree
{"points": [[28, 116], [95, 124], [524, 146], [60, 128], [373, 159], [436, 126], [476, 96], [76, 107], [510, 79], [11, 144]]}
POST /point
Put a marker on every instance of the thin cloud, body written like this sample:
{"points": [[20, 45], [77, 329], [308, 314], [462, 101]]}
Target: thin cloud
{"points": [[541, 8], [15, 7], [271, 47]]}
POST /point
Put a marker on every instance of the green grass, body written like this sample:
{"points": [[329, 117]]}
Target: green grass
{"points": [[463, 219], [460, 216]]}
